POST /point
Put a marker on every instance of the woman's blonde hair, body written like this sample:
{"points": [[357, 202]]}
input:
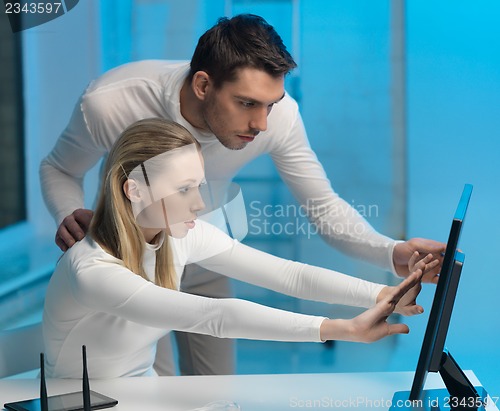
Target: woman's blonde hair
{"points": [[114, 226]]}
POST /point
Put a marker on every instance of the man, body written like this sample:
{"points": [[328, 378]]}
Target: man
{"points": [[232, 99]]}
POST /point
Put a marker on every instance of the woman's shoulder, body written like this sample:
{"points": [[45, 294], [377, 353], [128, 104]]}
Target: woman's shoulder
{"points": [[88, 250]]}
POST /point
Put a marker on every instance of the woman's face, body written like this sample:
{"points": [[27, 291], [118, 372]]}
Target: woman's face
{"points": [[167, 195]]}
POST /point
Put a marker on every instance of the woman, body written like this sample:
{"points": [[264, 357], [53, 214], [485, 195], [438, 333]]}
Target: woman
{"points": [[116, 291]]}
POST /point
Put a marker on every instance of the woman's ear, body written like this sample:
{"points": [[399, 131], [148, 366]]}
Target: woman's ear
{"points": [[201, 83], [131, 190]]}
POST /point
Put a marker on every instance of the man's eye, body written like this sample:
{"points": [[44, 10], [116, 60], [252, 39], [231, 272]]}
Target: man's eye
{"points": [[247, 104]]}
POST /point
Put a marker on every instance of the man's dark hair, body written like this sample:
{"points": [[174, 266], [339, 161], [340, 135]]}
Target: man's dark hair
{"points": [[245, 40]]}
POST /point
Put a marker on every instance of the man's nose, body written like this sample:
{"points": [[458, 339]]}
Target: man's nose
{"points": [[259, 119]]}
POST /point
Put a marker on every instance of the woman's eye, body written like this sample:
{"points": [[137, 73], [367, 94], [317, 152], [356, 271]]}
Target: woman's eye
{"points": [[184, 190]]}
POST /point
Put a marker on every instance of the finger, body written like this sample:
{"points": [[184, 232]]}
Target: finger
{"points": [[428, 258], [430, 266], [73, 229], [397, 329], [376, 314], [83, 218], [64, 235], [430, 275], [413, 259], [406, 285], [413, 310], [424, 261], [413, 279], [416, 275], [60, 243]]}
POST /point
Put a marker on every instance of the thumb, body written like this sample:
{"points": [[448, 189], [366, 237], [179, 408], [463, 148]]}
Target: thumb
{"points": [[398, 329], [413, 310]]}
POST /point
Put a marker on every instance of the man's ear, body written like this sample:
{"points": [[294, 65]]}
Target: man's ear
{"points": [[131, 190], [201, 83]]}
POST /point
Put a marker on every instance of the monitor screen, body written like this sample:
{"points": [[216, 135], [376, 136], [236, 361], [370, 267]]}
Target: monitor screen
{"points": [[437, 327]]}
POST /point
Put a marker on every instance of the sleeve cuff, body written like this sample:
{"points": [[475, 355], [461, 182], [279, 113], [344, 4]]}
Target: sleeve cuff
{"points": [[391, 259]]}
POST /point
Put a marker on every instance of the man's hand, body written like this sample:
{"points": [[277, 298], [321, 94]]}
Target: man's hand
{"points": [[404, 251], [73, 228], [372, 324]]}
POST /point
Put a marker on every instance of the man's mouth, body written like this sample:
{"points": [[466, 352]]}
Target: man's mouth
{"points": [[246, 138]]}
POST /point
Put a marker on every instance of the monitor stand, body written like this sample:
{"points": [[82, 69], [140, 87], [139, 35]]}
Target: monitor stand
{"points": [[457, 383], [459, 393]]}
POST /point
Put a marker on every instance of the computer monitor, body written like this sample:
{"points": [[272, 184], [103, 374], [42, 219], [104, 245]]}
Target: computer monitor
{"points": [[434, 357]]}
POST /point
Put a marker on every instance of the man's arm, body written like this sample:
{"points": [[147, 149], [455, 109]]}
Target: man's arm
{"points": [[336, 221], [61, 178]]}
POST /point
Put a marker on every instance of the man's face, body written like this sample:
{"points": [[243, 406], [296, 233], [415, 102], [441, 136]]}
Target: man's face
{"points": [[238, 110]]}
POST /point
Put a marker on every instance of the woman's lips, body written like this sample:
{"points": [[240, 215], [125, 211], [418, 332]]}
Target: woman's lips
{"points": [[190, 224]]}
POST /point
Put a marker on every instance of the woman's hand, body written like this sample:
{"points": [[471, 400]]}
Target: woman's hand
{"points": [[427, 264], [372, 325], [407, 304]]}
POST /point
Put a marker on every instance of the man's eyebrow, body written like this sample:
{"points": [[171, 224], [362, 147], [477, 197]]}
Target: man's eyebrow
{"points": [[252, 100]]}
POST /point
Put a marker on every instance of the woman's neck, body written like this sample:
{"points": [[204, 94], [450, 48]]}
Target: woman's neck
{"points": [[150, 234]]}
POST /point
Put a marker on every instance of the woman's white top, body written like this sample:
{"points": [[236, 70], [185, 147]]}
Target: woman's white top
{"points": [[93, 299]]}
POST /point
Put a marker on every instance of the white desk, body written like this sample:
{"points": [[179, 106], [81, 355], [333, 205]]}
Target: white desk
{"points": [[362, 391]]}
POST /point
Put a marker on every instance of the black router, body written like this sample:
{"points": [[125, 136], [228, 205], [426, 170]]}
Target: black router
{"points": [[85, 400]]}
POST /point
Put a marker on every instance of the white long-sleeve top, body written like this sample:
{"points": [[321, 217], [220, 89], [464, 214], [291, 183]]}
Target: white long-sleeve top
{"points": [[93, 299], [151, 88]]}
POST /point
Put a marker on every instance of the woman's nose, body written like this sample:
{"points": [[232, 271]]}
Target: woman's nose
{"points": [[198, 203]]}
